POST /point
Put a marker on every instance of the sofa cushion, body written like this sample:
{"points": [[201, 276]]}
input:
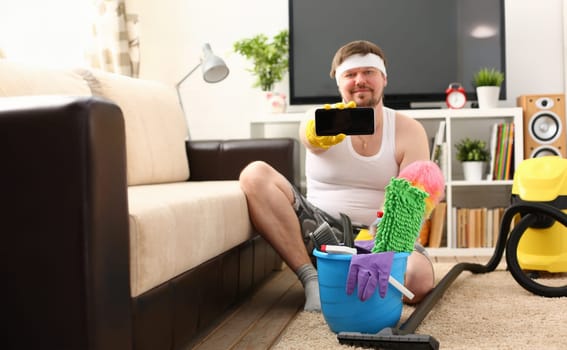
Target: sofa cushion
{"points": [[175, 227], [155, 126], [20, 79]]}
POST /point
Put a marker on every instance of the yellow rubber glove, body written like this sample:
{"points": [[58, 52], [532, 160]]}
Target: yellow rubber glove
{"points": [[340, 105], [321, 141], [326, 141]]}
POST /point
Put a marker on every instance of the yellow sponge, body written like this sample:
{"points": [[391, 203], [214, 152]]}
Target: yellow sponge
{"points": [[364, 235]]}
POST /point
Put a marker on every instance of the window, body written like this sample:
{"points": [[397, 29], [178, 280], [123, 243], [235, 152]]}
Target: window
{"points": [[52, 33]]}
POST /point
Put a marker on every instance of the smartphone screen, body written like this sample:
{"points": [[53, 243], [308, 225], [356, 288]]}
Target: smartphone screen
{"points": [[350, 121]]}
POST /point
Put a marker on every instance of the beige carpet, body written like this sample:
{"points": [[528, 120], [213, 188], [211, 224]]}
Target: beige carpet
{"points": [[488, 311]]}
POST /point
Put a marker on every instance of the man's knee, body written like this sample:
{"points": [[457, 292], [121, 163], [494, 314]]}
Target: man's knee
{"points": [[252, 173], [254, 169], [419, 278]]}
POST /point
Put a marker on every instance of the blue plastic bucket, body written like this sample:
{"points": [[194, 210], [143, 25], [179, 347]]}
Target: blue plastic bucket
{"points": [[347, 313]]}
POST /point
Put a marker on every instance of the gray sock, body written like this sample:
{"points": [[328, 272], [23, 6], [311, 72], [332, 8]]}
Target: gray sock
{"points": [[307, 274]]}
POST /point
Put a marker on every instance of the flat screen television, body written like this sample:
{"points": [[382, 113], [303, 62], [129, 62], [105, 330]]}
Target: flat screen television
{"points": [[428, 45]]}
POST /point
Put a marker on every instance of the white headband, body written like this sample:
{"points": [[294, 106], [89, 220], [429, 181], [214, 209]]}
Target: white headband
{"points": [[357, 61]]}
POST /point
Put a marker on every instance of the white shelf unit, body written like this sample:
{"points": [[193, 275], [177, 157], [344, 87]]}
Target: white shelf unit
{"points": [[472, 123], [459, 123]]}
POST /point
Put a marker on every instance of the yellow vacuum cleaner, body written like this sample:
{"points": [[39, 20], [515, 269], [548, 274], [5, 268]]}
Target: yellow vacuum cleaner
{"points": [[543, 246]]}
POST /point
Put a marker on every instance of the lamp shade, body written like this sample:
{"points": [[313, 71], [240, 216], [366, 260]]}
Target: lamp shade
{"points": [[214, 68]]}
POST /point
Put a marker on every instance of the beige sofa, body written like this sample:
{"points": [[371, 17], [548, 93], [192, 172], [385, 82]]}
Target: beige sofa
{"points": [[132, 237]]}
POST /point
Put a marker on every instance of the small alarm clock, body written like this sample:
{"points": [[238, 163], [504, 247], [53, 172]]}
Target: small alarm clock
{"points": [[456, 96]]}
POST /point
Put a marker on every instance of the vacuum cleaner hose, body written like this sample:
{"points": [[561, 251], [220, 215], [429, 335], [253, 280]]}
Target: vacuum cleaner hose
{"points": [[503, 243]]}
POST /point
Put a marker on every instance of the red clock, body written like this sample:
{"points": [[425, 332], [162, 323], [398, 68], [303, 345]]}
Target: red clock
{"points": [[456, 96]]}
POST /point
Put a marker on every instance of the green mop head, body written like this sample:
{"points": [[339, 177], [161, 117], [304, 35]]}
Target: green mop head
{"points": [[404, 208]]}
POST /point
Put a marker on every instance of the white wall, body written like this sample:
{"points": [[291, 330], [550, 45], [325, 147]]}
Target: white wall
{"points": [[534, 44], [172, 33]]}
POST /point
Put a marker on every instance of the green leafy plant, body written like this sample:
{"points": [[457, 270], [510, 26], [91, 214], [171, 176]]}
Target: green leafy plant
{"points": [[488, 77], [270, 58], [471, 150]]}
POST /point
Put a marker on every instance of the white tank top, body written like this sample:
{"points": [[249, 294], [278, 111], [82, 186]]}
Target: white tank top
{"points": [[342, 181]]}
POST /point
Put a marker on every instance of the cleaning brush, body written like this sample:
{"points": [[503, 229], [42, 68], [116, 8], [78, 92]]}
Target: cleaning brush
{"points": [[323, 235]]}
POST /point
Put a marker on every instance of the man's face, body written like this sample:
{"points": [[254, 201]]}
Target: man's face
{"points": [[364, 85]]}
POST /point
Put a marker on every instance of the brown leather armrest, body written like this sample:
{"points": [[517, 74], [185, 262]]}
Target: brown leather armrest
{"points": [[64, 223], [225, 159]]}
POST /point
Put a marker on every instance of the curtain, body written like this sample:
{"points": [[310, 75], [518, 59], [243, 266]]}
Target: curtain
{"points": [[115, 39]]}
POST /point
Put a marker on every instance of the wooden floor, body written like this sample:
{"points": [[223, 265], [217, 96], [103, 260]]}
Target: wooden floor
{"points": [[258, 323]]}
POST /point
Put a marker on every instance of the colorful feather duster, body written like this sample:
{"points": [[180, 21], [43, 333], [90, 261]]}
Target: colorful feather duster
{"points": [[409, 199]]}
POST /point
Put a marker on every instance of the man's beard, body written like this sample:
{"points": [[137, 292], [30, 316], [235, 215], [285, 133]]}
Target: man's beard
{"points": [[372, 102]]}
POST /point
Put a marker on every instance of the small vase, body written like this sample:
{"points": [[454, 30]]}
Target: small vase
{"points": [[276, 102], [473, 170], [487, 96]]}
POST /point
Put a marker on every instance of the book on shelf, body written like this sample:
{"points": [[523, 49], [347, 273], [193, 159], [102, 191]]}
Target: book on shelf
{"points": [[485, 229], [492, 145], [423, 238], [440, 158], [471, 230], [443, 160], [454, 223], [489, 227], [439, 151], [460, 227], [437, 225], [510, 153], [501, 151], [477, 227], [438, 140], [497, 146], [497, 217]]}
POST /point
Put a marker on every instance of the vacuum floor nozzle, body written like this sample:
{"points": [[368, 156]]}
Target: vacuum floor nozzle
{"points": [[388, 339]]}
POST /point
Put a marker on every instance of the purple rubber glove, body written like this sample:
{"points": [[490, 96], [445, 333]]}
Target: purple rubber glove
{"points": [[364, 246], [368, 271]]}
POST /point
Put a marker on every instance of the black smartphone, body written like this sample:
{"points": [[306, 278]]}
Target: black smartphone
{"points": [[349, 121]]}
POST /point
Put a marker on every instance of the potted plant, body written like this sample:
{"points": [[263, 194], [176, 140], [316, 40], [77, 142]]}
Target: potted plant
{"points": [[270, 58], [487, 82], [473, 153]]}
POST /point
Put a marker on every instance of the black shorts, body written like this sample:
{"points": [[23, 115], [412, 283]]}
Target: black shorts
{"points": [[310, 217]]}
